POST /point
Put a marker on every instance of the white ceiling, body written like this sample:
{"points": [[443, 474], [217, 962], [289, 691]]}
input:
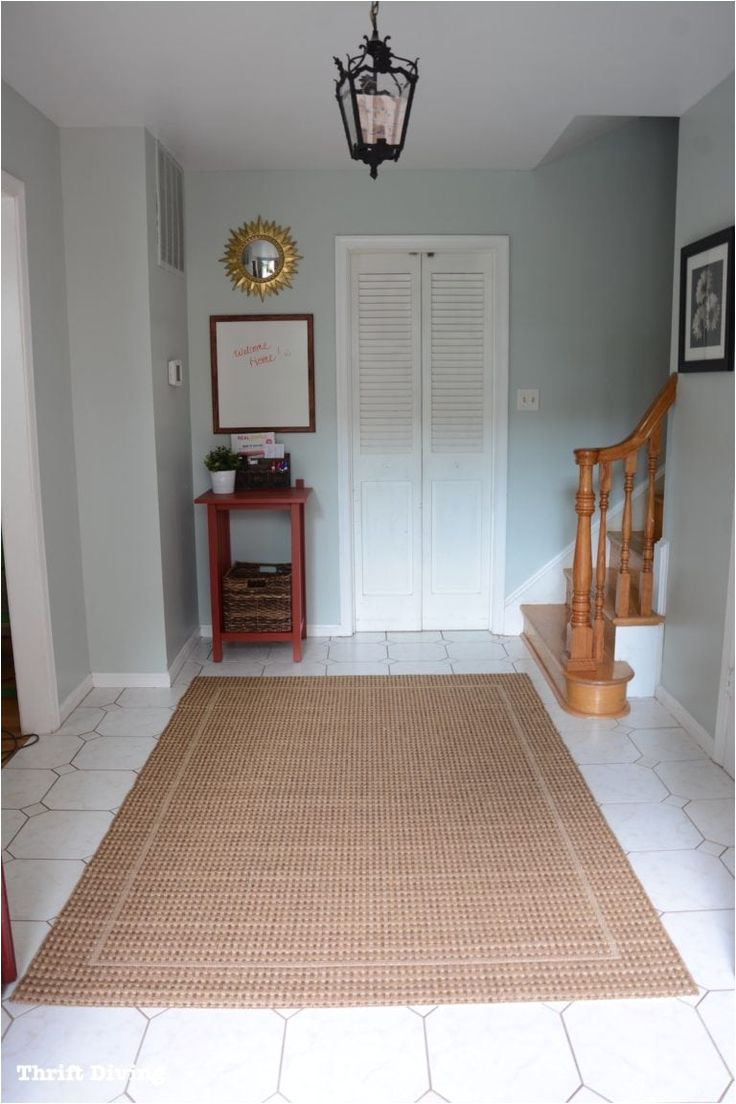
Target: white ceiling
{"points": [[250, 85]]}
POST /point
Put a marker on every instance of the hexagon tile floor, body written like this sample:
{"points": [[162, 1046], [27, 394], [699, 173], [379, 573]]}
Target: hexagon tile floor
{"points": [[669, 805]]}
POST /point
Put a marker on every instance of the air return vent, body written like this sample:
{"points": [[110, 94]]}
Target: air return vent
{"points": [[170, 210]]}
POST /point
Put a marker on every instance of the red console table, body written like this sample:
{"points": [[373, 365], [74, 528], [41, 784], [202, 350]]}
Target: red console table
{"points": [[218, 528]]}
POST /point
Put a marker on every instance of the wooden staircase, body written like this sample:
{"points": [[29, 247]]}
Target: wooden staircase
{"points": [[575, 643]]}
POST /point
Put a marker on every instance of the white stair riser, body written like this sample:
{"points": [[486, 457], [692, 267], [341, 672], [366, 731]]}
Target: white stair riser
{"points": [[641, 647]]}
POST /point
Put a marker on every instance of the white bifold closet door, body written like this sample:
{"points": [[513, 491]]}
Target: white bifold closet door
{"points": [[422, 392]]}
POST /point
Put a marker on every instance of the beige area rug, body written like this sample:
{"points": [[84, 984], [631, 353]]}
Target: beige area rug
{"points": [[356, 841]]}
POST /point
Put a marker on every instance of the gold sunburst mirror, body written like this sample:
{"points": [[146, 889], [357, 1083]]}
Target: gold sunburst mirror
{"points": [[261, 257]]}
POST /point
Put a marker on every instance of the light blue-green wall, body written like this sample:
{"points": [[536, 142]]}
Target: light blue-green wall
{"points": [[700, 472], [127, 319], [172, 427], [31, 154], [105, 229], [591, 283]]}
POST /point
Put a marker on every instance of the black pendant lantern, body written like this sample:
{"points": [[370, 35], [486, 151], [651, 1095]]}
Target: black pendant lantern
{"points": [[375, 92]]}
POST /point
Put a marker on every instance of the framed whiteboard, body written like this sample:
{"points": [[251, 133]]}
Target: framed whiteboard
{"points": [[262, 372]]}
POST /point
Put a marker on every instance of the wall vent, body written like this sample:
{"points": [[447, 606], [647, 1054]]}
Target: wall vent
{"points": [[169, 210]]}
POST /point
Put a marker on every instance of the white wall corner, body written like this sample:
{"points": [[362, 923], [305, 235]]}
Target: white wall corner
{"points": [[183, 656], [205, 631], [71, 701], [688, 722]]}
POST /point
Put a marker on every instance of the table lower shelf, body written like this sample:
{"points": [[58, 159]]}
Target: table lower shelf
{"points": [[267, 637], [293, 637]]}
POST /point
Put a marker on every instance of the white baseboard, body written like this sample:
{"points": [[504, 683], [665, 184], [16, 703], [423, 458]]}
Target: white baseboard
{"points": [[132, 679], [544, 587], [138, 679], [71, 701], [547, 585], [205, 631], [183, 656], [327, 630], [688, 722]]}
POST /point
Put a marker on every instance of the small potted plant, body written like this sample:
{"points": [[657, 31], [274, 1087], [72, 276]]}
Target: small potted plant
{"points": [[222, 464]]}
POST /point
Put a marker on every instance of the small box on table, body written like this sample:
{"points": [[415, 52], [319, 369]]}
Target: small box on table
{"points": [[263, 473]]}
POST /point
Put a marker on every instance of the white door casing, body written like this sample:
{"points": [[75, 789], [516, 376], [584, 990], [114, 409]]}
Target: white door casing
{"points": [[22, 519], [463, 436]]}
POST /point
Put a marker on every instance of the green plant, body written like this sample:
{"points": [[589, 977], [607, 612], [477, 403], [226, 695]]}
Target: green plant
{"points": [[221, 459]]}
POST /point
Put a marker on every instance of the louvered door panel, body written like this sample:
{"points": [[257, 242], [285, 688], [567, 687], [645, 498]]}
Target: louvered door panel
{"points": [[387, 440], [456, 461], [457, 361], [386, 362]]}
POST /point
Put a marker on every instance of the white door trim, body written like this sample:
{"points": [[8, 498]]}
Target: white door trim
{"points": [[22, 518], [344, 247]]}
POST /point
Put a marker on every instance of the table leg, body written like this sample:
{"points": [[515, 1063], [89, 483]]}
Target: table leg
{"points": [[304, 570], [297, 582], [9, 968], [213, 534], [223, 540]]}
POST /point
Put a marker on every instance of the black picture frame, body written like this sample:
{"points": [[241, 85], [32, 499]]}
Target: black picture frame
{"points": [[706, 304]]}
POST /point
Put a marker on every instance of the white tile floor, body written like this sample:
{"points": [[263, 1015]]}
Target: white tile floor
{"points": [[669, 806]]}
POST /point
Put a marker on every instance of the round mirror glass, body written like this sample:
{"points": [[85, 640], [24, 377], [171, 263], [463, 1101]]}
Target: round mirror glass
{"points": [[261, 259]]}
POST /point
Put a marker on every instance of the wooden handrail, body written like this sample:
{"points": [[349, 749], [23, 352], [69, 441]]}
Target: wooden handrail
{"points": [[644, 429], [585, 639]]}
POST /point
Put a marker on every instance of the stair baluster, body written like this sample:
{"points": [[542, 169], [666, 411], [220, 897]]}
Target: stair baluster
{"points": [[604, 489], [646, 577], [623, 582], [580, 629]]}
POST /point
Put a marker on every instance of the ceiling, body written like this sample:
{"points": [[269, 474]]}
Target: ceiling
{"points": [[250, 85]]}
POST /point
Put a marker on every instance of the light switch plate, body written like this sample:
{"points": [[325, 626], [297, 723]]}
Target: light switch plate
{"points": [[527, 399]]}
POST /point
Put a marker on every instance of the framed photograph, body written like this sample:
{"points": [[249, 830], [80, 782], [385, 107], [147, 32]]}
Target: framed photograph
{"points": [[706, 304], [262, 372]]}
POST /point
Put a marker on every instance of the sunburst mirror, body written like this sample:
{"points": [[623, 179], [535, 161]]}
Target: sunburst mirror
{"points": [[261, 257]]}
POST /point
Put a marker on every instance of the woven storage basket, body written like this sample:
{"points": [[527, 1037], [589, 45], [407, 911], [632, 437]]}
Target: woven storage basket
{"points": [[255, 600]]}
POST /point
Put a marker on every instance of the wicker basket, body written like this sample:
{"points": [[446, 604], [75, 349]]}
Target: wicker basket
{"points": [[257, 600]]}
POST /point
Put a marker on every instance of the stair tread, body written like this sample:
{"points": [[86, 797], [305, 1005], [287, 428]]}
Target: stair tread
{"points": [[636, 542], [633, 619]]}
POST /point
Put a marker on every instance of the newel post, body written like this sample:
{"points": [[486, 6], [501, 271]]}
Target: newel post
{"points": [[580, 628]]}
